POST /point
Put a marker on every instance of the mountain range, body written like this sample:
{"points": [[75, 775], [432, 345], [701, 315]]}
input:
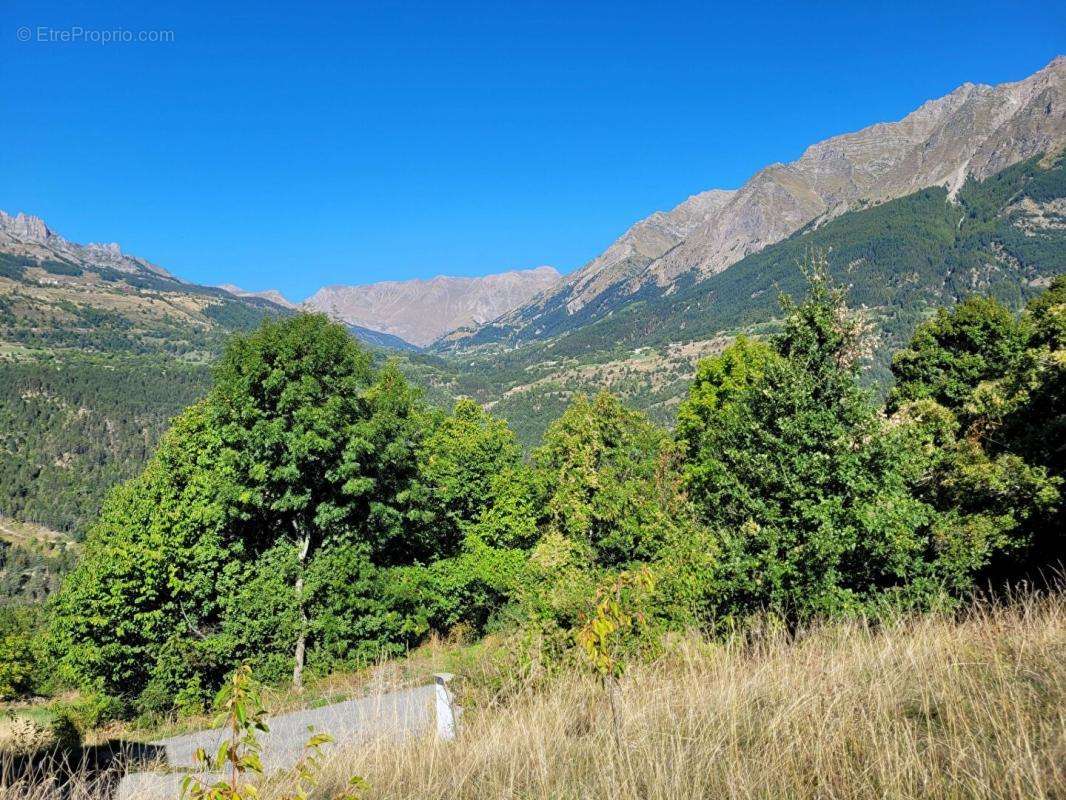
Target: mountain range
{"points": [[99, 348], [41, 269], [29, 238], [421, 311], [973, 132]]}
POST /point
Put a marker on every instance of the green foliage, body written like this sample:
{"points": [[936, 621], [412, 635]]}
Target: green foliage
{"points": [[720, 381], [21, 652], [822, 508], [618, 628], [73, 427], [949, 356], [237, 757], [461, 460], [999, 380], [312, 508], [599, 479], [281, 488]]}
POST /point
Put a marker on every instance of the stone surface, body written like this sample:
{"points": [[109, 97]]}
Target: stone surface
{"points": [[401, 713], [408, 712]]}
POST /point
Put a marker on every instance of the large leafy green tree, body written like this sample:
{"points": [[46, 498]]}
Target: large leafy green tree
{"points": [[997, 381], [285, 402], [1035, 423], [283, 488], [601, 479], [953, 353], [447, 574], [720, 381], [461, 462], [812, 493]]}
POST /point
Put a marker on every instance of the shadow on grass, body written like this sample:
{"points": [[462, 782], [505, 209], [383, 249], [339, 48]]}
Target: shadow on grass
{"points": [[75, 773]]}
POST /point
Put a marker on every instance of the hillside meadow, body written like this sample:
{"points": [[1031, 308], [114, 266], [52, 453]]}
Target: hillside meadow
{"points": [[963, 705]]}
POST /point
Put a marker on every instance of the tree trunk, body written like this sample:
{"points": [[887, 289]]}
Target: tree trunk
{"points": [[301, 633]]}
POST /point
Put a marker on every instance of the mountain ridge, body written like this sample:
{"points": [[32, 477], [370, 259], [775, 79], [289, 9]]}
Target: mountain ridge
{"points": [[974, 131], [422, 310], [29, 236], [401, 315]]}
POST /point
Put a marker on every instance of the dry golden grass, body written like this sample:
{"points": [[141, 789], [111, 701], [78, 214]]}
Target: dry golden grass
{"points": [[927, 708]]}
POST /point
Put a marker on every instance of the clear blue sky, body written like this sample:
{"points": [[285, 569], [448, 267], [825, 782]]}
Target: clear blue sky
{"points": [[296, 145]]}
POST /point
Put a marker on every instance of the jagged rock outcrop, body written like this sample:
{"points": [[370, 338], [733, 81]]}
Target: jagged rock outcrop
{"points": [[28, 236]]}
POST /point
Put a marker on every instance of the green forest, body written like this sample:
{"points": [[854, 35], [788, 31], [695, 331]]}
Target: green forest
{"points": [[74, 425], [314, 512]]}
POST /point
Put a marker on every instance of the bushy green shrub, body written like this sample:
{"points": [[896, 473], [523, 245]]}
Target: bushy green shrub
{"points": [[20, 652]]}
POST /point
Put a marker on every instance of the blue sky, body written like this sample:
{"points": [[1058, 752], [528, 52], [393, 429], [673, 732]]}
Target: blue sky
{"points": [[328, 143]]}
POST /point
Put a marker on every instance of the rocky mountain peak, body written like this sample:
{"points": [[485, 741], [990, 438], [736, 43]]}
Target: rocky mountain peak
{"points": [[25, 227], [29, 236], [975, 130]]}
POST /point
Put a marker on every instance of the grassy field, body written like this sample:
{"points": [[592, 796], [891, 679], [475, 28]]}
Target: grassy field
{"points": [[928, 707]]}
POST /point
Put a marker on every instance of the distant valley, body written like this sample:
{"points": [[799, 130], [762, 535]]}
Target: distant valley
{"points": [[99, 348]]}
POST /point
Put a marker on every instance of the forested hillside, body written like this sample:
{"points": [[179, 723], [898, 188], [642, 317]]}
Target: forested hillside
{"points": [[33, 560], [314, 513], [98, 351], [87, 385], [900, 260], [73, 425], [94, 364]]}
